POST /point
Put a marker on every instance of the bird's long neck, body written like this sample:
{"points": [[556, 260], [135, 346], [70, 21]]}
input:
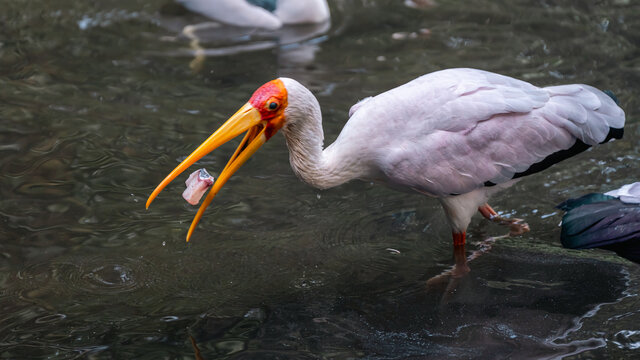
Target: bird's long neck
{"points": [[308, 160], [303, 132]]}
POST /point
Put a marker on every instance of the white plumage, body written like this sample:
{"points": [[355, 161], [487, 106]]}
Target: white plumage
{"points": [[453, 130], [449, 133], [243, 13], [459, 135], [628, 194]]}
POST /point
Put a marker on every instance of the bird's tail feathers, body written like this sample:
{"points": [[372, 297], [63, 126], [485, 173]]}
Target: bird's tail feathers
{"points": [[586, 112], [617, 131]]}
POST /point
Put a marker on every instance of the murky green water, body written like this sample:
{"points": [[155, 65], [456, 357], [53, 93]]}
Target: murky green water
{"points": [[99, 100]]}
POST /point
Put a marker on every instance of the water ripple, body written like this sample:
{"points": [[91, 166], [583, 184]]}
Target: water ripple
{"points": [[90, 123], [627, 339], [50, 318], [90, 277]]}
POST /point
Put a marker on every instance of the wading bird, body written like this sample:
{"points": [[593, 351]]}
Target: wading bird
{"points": [[266, 14], [610, 221], [458, 135]]}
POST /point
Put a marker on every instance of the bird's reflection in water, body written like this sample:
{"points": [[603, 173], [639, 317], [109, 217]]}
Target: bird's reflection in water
{"points": [[296, 45], [196, 350], [447, 282], [451, 277]]}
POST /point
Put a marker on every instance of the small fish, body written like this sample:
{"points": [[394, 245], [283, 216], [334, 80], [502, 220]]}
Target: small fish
{"points": [[197, 184]]}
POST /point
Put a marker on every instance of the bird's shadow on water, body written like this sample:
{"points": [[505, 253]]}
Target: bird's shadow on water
{"points": [[513, 300]]}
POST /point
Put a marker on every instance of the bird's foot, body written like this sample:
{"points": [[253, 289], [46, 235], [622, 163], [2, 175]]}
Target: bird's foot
{"points": [[518, 227], [451, 277]]}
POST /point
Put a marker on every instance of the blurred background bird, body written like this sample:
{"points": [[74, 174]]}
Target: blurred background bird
{"points": [[609, 221], [266, 14], [226, 27]]}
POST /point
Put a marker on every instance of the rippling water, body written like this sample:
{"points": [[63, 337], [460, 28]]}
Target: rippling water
{"points": [[99, 100]]}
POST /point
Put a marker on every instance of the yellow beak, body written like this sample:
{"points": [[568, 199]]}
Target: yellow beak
{"points": [[246, 119]]}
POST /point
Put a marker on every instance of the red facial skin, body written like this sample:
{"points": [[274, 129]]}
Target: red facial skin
{"points": [[271, 92]]}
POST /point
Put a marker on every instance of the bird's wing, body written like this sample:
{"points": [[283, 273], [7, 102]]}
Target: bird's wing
{"points": [[609, 224], [601, 224], [629, 193], [359, 104], [456, 130], [234, 12]]}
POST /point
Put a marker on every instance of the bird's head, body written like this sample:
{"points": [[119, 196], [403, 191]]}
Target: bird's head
{"points": [[260, 118]]}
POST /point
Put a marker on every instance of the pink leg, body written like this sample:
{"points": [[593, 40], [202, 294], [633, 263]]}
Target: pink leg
{"points": [[459, 268], [459, 239], [460, 256], [449, 279], [487, 211]]}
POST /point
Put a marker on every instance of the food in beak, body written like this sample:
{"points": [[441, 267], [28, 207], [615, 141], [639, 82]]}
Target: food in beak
{"points": [[197, 184], [248, 120], [259, 119]]}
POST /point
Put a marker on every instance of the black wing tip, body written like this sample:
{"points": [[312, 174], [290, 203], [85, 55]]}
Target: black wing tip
{"points": [[578, 147], [614, 133]]}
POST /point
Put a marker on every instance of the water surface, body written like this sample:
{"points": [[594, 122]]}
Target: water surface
{"points": [[99, 101]]}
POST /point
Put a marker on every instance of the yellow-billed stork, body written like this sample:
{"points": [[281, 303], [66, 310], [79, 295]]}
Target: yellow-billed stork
{"points": [[458, 135]]}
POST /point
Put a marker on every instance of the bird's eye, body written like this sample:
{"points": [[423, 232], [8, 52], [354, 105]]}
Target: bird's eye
{"points": [[273, 105]]}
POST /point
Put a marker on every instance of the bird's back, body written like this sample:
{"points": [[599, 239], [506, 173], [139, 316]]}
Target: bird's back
{"points": [[266, 14], [245, 13], [456, 130]]}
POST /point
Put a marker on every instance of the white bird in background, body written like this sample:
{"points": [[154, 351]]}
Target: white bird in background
{"points": [[458, 135], [266, 14], [240, 26]]}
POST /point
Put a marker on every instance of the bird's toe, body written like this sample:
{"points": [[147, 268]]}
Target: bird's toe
{"points": [[518, 227]]}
